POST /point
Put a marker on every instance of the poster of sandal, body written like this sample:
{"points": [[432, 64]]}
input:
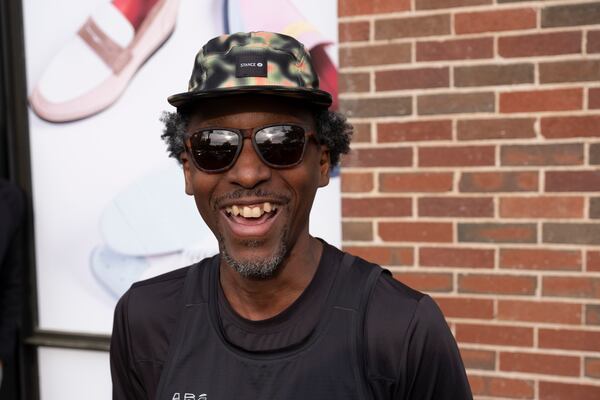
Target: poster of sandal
{"points": [[109, 205]]}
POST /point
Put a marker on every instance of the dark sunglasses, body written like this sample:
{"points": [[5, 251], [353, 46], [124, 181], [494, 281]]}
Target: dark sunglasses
{"points": [[217, 149]]}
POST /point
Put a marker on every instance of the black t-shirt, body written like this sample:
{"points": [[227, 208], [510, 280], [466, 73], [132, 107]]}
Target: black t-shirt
{"points": [[410, 352]]}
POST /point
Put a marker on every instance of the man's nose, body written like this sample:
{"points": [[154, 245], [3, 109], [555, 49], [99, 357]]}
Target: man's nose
{"points": [[249, 170]]}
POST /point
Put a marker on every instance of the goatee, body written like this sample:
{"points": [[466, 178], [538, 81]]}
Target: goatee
{"points": [[256, 269]]}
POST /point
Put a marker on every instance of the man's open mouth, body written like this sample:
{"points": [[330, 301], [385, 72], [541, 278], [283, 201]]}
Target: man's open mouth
{"points": [[252, 214], [253, 211]]}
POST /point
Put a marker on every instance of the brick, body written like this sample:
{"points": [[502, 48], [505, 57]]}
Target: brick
{"points": [[458, 156], [571, 233], [456, 257], [429, 232], [542, 154], [571, 15], [433, 4], [430, 25], [426, 282], [497, 284], [595, 153], [414, 131], [455, 103], [541, 100], [541, 259], [416, 182], [592, 314], [455, 49], [570, 71], [353, 31], [593, 260], [592, 367], [497, 128], [357, 230], [465, 207], [515, 1], [567, 391], [379, 157], [477, 383], [571, 286], [540, 44], [497, 233], [353, 182], [568, 127], [377, 207], [594, 208], [493, 75], [569, 339], [467, 156], [376, 107], [478, 359], [453, 307], [418, 78], [572, 181], [390, 53], [593, 42], [495, 21], [383, 255], [361, 132], [546, 364], [354, 82], [593, 98], [502, 387], [502, 335], [514, 181], [539, 311], [542, 207], [358, 7]]}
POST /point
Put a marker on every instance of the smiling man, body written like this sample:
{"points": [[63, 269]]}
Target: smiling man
{"points": [[277, 314]]}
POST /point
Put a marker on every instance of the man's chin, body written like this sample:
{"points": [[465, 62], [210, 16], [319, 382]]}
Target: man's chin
{"points": [[254, 268], [255, 265]]}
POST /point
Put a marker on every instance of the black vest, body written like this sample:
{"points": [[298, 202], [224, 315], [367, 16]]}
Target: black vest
{"points": [[329, 364]]}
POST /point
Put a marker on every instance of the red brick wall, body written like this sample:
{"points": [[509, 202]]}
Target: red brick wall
{"points": [[475, 176]]}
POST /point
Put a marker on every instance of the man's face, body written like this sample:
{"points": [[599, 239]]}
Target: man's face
{"points": [[256, 245]]}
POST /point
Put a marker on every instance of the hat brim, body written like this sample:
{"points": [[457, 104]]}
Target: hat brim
{"points": [[316, 97]]}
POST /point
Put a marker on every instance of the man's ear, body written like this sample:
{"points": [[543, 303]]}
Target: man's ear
{"points": [[325, 164], [187, 173]]}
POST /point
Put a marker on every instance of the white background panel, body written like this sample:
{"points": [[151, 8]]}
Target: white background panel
{"points": [[74, 374], [79, 167]]}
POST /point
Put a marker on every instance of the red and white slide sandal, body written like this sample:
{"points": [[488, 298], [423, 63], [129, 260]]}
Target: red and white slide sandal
{"points": [[93, 69]]}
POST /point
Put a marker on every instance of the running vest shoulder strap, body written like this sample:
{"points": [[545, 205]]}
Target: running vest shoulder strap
{"points": [[195, 291], [195, 287], [360, 278]]}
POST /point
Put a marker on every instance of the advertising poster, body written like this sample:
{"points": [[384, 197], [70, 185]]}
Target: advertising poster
{"points": [[109, 205]]}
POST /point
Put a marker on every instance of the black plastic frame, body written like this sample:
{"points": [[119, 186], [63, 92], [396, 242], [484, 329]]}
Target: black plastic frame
{"points": [[15, 165]]}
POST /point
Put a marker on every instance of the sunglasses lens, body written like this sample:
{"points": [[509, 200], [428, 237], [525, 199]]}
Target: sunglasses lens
{"points": [[280, 145], [214, 149]]}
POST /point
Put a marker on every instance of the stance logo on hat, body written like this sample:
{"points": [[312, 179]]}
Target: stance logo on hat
{"points": [[251, 65]]}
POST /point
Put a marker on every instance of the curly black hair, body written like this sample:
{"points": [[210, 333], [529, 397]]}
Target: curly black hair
{"points": [[332, 130]]}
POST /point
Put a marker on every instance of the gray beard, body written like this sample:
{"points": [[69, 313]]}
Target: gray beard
{"points": [[259, 269]]}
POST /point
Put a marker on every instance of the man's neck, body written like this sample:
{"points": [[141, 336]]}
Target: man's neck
{"points": [[262, 299]]}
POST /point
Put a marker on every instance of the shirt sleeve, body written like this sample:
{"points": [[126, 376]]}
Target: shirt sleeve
{"points": [[434, 368], [126, 385]]}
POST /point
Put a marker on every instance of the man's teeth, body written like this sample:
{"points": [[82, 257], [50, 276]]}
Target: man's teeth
{"points": [[251, 211]]}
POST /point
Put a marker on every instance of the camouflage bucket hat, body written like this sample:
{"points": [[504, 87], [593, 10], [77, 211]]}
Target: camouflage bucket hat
{"points": [[256, 62]]}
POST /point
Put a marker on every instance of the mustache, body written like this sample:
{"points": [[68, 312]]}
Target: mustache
{"points": [[241, 193]]}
